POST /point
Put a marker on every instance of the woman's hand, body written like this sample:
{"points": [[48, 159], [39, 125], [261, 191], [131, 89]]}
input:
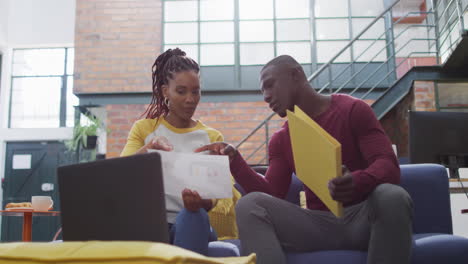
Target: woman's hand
{"points": [[220, 148], [158, 143], [193, 202]]}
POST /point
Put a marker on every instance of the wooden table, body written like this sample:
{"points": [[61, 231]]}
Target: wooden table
{"points": [[27, 219]]}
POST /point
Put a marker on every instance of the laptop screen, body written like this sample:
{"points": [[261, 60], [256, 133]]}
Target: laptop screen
{"points": [[114, 199]]}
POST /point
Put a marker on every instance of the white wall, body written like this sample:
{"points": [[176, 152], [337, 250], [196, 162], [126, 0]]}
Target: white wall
{"points": [[41, 22], [4, 6]]}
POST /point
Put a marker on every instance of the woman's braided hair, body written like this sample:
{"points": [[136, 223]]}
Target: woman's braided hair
{"points": [[166, 64]]}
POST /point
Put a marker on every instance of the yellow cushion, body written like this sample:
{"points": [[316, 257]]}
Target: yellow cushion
{"points": [[106, 252]]}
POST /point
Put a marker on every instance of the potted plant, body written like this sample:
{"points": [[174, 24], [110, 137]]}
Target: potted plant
{"points": [[85, 136]]}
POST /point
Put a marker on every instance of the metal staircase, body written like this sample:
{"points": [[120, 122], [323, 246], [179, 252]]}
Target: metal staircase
{"points": [[382, 74]]}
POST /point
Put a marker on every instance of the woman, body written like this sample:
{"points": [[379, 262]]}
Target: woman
{"points": [[169, 126]]}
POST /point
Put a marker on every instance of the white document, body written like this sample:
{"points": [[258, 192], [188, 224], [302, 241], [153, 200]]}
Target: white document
{"points": [[209, 175], [21, 162]]}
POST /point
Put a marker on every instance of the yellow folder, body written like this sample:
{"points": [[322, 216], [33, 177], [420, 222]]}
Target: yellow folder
{"points": [[317, 156]]}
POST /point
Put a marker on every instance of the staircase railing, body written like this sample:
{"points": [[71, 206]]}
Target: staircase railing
{"points": [[370, 77], [454, 15]]}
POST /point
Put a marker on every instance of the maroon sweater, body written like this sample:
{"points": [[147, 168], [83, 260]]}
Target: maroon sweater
{"points": [[365, 148]]}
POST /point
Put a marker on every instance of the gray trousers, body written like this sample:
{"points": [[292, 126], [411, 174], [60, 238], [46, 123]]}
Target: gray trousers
{"points": [[381, 225]]}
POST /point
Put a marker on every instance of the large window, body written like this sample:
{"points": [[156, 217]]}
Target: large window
{"points": [[339, 21], [41, 88], [252, 32], [204, 29], [245, 32]]}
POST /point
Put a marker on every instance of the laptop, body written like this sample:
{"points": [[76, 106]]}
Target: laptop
{"points": [[114, 199]]}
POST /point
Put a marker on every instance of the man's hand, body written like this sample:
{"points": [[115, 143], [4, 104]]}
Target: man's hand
{"points": [[220, 148], [342, 188], [193, 202]]}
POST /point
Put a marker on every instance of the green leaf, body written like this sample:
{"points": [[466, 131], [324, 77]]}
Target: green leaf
{"points": [[81, 133]]}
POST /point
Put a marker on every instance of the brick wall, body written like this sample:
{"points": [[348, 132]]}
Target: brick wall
{"points": [[120, 119], [116, 42], [424, 96], [407, 63], [234, 120]]}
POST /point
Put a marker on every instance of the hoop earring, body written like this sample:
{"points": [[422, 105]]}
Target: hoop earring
{"points": [[166, 101]]}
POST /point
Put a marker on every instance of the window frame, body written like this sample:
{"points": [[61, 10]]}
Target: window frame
{"points": [[244, 76], [63, 89], [237, 42], [312, 41]]}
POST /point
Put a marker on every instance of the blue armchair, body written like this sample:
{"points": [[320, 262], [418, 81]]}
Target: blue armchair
{"points": [[432, 224]]}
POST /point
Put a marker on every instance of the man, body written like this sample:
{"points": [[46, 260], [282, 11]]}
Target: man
{"points": [[377, 214]]}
